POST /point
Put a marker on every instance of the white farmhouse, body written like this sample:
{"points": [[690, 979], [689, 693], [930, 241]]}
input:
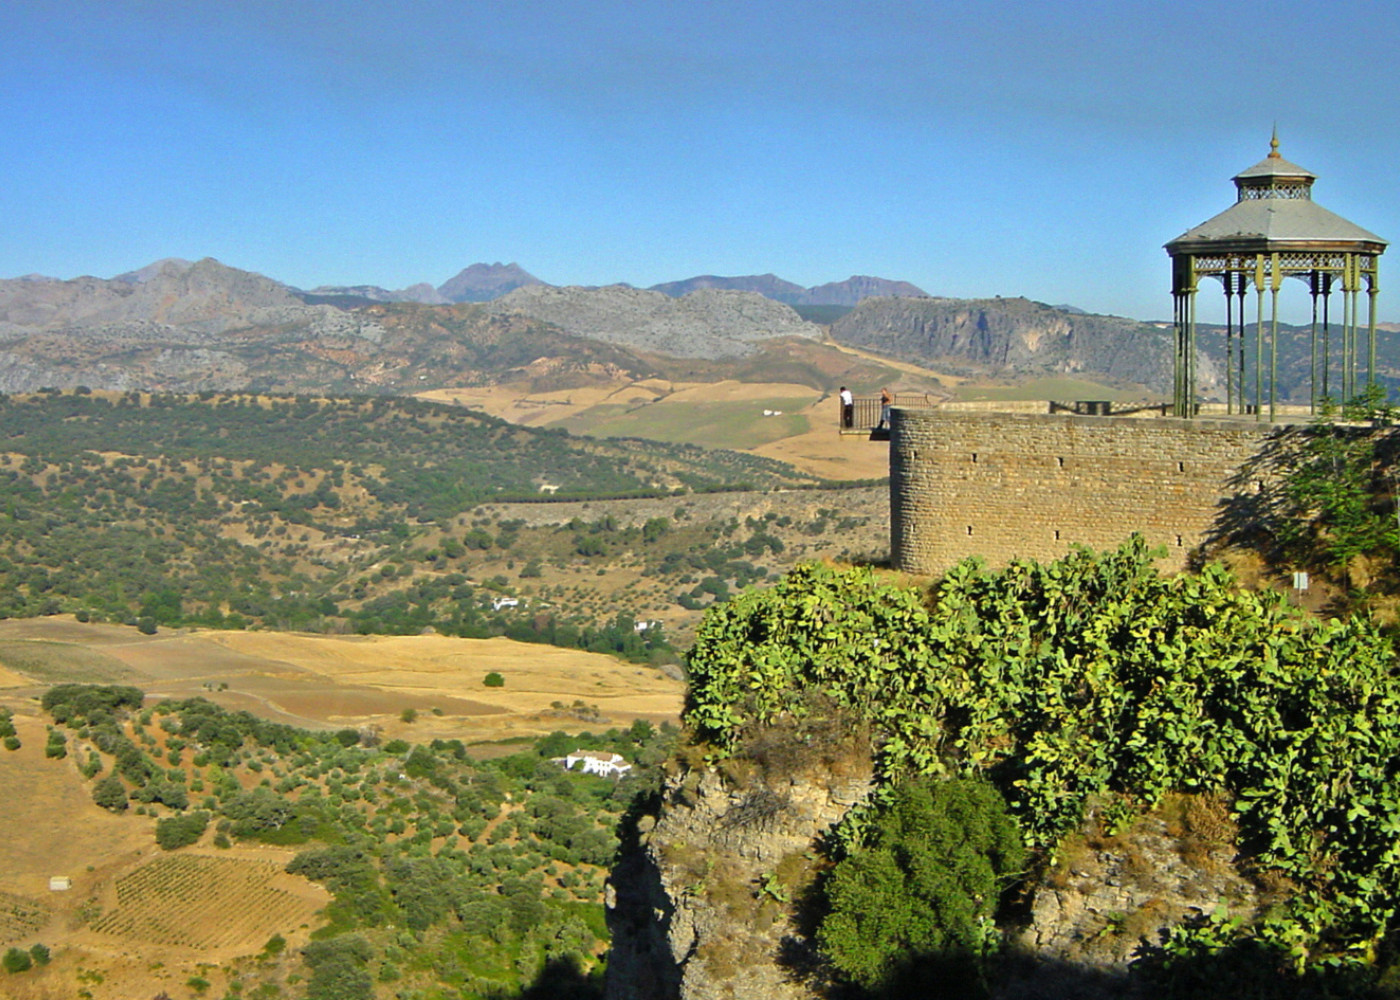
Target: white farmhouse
{"points": [[608, 765]]}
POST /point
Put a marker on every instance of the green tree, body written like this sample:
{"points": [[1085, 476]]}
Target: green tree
{"points": [[180, 831], [17, 960], [1333, 498], [110, 793], [919, 900]]}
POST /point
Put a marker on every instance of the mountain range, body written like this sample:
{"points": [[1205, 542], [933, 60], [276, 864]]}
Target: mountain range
{"points": [[192, 326], [486, 282]]}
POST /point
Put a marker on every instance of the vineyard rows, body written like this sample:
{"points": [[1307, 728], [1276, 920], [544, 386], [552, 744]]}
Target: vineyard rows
{"points": [[200, 902], [20, 917]]}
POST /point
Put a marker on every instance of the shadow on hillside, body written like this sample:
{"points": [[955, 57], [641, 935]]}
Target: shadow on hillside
{"points": [[563, 979], [1243, 970]]}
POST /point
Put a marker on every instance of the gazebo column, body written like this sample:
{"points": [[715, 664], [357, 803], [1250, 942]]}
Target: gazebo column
{"points": [[1275, 280], [1314, 286], [1234, 387], [1350, 312], [1259, 337], [1326, 336], [1372, 290], [1184, 320]]}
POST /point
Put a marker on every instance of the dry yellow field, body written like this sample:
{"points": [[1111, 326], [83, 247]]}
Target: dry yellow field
{"points": [[96, 929], [325, 682], [815, 447]]}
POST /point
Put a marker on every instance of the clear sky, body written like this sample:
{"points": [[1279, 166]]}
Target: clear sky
{"points": [[1036, 148]]}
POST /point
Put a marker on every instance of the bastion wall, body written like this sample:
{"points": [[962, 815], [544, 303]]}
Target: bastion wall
{"points": [[1005, 485]]}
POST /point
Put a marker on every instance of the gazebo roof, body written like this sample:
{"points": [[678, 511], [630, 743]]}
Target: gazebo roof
{"points": [[1267, 224], [1275, 212], [1274, 165]]}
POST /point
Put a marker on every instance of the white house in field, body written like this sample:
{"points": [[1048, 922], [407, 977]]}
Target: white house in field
{"points": [[608, 765]]}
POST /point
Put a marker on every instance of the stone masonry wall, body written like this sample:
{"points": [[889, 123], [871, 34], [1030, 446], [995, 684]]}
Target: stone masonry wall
{"points": [[1003, 485]]}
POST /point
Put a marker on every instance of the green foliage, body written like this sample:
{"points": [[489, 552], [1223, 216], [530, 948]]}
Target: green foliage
{"points": [[120, 510], [1333, 498], [398, 837], [1096, 676], [339, 969], [494, 680], [40, 954], [110, 793], [77, 704], [181, 831], [919, 899], [11, 742], [17, 960], [56, 746]]}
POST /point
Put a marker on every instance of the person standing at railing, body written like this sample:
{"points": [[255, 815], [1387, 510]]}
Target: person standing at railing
{"points": [[886, 401], [848, 408]]}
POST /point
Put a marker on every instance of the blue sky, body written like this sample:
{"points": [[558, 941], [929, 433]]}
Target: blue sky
{"points": [[973, 148]]}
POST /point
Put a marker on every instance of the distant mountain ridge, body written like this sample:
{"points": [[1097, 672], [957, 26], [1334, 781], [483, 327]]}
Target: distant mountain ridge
{"points": [[488, 282], [835, 293], [177, 325], [484, 282], [706, 323]]}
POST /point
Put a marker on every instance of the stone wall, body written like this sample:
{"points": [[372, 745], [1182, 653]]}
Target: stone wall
{"points": [[1003, 485]]}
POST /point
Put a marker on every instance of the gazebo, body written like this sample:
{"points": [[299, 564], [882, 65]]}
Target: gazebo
{"points": [[1274, 231]]}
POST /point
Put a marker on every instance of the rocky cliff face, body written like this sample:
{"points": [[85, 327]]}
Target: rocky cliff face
{"points": [[712, 898], [1005, 336], [704, 906], [709, 323]]}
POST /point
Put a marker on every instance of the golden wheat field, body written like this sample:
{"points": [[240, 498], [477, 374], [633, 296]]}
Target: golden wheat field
{"points": [[324, 682]]}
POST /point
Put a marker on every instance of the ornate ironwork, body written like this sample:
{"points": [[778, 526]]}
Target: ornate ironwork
{"points": [[1327, 262]]}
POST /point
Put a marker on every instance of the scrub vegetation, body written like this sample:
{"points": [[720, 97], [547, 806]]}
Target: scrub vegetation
{"points": [[450, 876]]}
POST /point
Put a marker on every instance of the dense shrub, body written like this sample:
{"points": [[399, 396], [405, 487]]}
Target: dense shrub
{"points": [[110, 793], [918, 900], [181, 831]]}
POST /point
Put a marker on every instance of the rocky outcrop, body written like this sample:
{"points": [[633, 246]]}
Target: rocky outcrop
{"points": [[1110, 897], [1010, 336], [704, 905], [710, 323], [713, 896]]}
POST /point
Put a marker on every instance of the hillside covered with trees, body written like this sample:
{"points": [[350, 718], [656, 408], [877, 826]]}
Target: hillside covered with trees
{"points": [[449, 875], [355, 514]]}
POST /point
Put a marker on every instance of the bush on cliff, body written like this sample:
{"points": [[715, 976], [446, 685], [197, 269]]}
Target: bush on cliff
{"points": [[920, 898]]}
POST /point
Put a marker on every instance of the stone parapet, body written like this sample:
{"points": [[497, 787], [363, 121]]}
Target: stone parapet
{"points": [[1007, 485]]}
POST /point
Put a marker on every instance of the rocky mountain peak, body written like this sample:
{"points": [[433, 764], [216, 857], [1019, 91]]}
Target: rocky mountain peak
{"points": [[166, 265], [484, 282]]}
